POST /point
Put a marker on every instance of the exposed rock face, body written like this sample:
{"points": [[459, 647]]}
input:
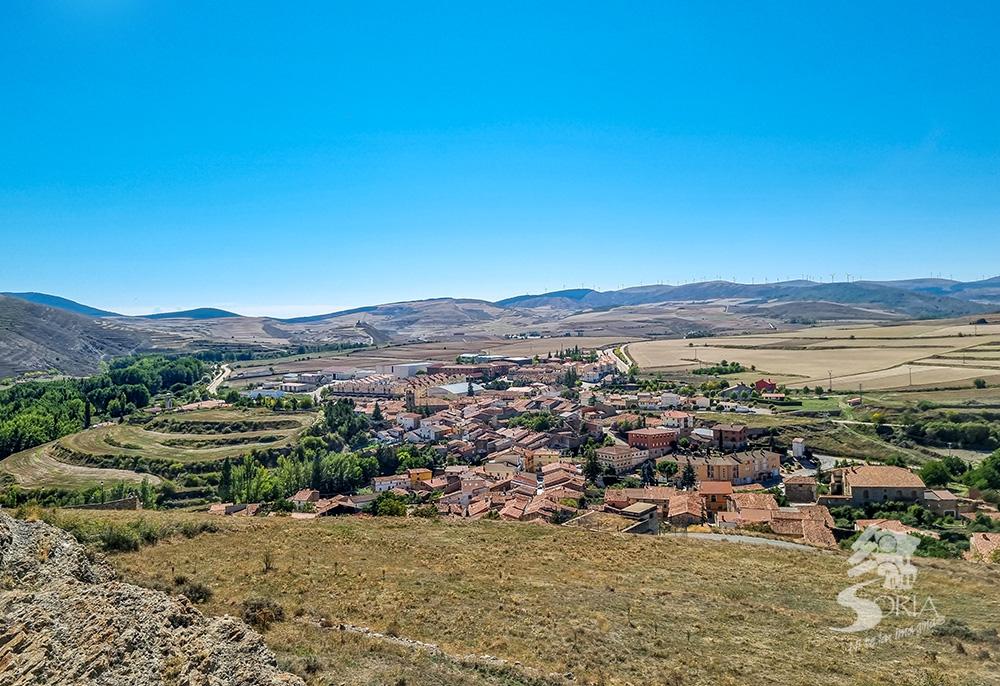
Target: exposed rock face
{"points": [[65, 620]]}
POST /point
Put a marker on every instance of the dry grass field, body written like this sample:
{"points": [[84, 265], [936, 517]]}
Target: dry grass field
{"points": [[609, 608], [938, 355]]}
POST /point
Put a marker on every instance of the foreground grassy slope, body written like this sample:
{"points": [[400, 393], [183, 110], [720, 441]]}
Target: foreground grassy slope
{"points": [[612, 609]]}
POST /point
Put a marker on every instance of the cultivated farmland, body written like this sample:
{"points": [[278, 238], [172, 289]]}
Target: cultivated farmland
{"points": [[37, 468], [183, 437], [942, 355]]}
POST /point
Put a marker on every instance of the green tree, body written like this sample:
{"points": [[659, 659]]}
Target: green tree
{"points": [[979, 383], [934, 473], [648, 474], [667, 468], [688, 476], [389, 504], [591, 465], [226, 481]]}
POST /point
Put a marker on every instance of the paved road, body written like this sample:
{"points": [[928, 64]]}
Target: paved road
{"points": [[622, 366], [223, 374], [752, 540], [825, 461]]}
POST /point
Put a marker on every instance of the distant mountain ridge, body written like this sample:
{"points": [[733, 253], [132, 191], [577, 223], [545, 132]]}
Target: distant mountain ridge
{"points": [[916, 298], [198, 313], [984, 290], [62, 304], [907, 302], [39, 332]]}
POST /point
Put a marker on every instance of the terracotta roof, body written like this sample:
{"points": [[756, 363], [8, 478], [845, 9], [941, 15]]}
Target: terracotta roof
{"points": [[817, 513], [892, 525], [816, 533], [689, 503], [810, 480], [754, 501], [715, 488], [881, 476], [306, 495], [652, 431], [982, 546], [940, 495]]}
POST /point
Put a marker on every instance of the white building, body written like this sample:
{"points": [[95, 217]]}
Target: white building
{"points": [[799, 447]]}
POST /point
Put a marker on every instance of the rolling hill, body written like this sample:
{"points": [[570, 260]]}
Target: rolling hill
{"points": [[40, 332], [899, 301], [37, 337], [985, 291], [197, 313], [62, 304]]}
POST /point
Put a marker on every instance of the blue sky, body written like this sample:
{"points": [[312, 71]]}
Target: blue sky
{"points": [[294, 158]]}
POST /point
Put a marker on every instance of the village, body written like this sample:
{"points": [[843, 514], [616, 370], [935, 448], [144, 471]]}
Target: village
{"points": [[569, 439]]}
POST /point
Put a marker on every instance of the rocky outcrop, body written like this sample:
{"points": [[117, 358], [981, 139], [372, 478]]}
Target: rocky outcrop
{"points": [[65, 619]]}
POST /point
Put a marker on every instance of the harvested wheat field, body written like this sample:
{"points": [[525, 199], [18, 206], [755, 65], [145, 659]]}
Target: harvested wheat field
{"points": [[608, 608], [942, 355]]}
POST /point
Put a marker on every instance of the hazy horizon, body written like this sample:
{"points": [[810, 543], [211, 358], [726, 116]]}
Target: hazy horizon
{"points": [[285, 311]]}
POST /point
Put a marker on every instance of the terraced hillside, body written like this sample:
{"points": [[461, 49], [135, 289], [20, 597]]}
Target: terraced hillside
{"points": [[112, 453]]}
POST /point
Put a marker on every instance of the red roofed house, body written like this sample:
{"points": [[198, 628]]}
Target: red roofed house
{"points": [[877, 484], [686, 509], [716, 495], [306, 495], [765, 386]]}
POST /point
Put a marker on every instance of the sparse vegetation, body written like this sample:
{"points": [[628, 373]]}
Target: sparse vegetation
{"points": [[610, 609]]}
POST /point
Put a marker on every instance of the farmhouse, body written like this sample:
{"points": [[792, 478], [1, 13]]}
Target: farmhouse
{"points": [[303, 497], [801, 489]]}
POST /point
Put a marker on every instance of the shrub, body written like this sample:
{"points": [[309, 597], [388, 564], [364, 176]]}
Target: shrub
{"points": [[119, 539], [261, 613], [196, 591]]}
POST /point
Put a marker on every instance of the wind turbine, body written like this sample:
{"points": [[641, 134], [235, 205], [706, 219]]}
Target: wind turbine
{"points": [[848, 277], [831, 277]]}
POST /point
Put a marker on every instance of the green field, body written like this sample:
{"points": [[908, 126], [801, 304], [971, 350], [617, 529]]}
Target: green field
{"points": [[194, 436], [199, 436], [37, 468]]}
